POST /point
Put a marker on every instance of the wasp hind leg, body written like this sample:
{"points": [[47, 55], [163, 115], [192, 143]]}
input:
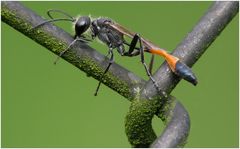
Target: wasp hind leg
{"points": [[132, 46]]}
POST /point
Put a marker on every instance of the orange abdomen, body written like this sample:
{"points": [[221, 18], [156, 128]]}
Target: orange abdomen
{"points": [[171, 60]]}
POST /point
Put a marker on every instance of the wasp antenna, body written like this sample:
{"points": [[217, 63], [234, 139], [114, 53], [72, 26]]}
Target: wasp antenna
{"points": [[59, 11], [53, 20]]}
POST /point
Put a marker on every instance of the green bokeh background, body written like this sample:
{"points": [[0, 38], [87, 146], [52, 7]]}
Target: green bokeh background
{"points": [[44, 105]]}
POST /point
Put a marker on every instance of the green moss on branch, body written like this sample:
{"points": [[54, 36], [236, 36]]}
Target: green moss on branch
{"points": [[52, 42], [138, 124], [93, 69], [47, 40]]}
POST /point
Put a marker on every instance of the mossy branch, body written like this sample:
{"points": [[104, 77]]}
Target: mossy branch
{"points": [[189, 51], [138, 120], [170, 110], [195, 43], [81, 55]]}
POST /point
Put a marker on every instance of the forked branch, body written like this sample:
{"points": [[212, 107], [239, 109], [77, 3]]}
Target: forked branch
{"points": [[125, 82]]}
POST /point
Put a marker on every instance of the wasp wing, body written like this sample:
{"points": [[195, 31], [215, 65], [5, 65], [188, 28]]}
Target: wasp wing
{"points": [[121, 29], [131, 34]]}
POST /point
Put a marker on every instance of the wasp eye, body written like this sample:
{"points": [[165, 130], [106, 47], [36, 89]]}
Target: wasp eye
{"points": [[82, 25]]}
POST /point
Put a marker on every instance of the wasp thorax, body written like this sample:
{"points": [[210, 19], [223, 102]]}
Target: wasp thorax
{"points": [[99, 25], [94, 28], [81, 25]]}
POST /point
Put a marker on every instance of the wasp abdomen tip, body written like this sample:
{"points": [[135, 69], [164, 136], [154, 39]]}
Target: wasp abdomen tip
{"points": [[185, 72], [195, 82]]}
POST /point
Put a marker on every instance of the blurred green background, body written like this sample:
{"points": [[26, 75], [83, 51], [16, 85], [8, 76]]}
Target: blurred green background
{"points": [[44, 105]]}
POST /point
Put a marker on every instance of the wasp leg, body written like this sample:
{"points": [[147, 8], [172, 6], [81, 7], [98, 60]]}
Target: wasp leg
{"points": [[128, 44], [134, 53], [131, 53], [69, 46], [150, 67], [132, 46], [138, 38], [106, 70]]}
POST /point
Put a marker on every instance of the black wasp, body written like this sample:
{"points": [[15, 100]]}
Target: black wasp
{"points": [[113, 35]]}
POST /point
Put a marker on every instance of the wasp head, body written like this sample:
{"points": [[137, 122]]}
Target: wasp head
{"points": [[81, 25]]}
